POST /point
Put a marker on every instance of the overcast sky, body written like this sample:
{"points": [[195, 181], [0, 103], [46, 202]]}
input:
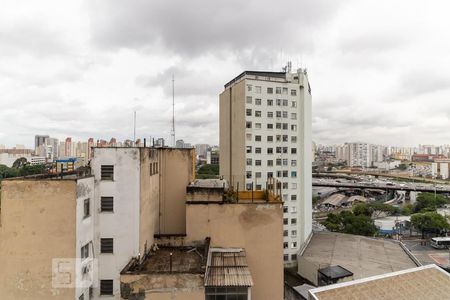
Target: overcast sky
{"points": [[379, 70]]}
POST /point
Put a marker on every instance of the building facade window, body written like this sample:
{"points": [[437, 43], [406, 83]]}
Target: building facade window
{"points": [[226, 293], [249, 100], [293, 92], [269, 102], [257, 138], [257, 101], [85, 251], [107, 204], [248, 112], [257, 89], [269, 90], [106, 245], [87, 208], [106, 287]]}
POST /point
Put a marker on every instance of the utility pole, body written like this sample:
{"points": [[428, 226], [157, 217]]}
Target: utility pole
{"points": [[172, 133]]}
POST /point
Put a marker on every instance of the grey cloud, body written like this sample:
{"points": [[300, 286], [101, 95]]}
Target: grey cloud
{"points": [[32, 37], [422, 81], [192, 28], [186, 81], [373, 43]]}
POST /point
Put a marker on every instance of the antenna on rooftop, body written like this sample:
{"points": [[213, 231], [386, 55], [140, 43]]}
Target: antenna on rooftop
{"points": [[172, 133], [134, 128]]}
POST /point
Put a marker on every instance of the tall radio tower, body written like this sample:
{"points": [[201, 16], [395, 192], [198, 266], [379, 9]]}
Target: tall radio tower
{"points": [[172, 133]]}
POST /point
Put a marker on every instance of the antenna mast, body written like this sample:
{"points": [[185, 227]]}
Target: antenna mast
{"points": [[134, 128], [172, 133]]}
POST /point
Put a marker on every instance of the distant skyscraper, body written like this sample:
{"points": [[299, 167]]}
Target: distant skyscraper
{"points": [[40, 140], [265, 131]]}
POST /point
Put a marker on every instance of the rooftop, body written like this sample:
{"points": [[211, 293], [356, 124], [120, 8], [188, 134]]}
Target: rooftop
{"points": [[227, 267], [427, 282], [256, 73], [167, 260], [362, 256]]}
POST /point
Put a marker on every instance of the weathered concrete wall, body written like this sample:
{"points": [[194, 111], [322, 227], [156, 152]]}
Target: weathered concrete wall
{"points": [[162, 286], [204, 194], [149, 198], [176, 171], [232, 134], [307, 269], [37, 225], [255, 227]]}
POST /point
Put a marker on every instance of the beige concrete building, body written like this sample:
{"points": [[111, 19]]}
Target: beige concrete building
{"points": [[46, 226], [232, 247], [265, 132], [103, 220]]}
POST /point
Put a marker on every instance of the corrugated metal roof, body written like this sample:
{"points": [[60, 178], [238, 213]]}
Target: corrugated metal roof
{"points": [[228, 269]]}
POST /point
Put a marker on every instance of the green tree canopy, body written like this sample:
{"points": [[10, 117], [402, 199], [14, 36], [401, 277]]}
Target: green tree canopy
{"points": [[429, 221], [19, 163], [374, 209], [208, 171], [429, 202], [348, 222]]}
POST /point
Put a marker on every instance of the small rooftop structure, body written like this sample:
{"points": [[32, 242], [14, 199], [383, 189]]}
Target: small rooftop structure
{"points": [[332, 274], [227, 267], [426, 282]]}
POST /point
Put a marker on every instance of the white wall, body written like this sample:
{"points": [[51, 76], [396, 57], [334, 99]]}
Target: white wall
{"points": [[123, 224], [85, 235]]}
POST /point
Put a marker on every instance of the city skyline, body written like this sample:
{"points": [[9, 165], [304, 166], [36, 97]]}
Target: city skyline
{"points": [[370, 61]]}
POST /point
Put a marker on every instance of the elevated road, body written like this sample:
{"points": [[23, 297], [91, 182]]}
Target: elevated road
{"points": [[382, 186]]}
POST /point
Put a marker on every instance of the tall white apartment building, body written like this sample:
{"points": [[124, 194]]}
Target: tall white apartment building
{"points": [[359, 155], [265, 131]]}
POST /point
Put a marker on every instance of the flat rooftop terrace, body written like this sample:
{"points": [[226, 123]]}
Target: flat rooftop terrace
{"points": [[182, 260], [362, 256]]}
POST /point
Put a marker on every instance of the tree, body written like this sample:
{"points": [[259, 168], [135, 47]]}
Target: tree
{"points": [[429, 221], [208, 171], [348, 222], [19, 163], [6, 172], [429, 202], [403, 167], [374, 210], [32, 170]]}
